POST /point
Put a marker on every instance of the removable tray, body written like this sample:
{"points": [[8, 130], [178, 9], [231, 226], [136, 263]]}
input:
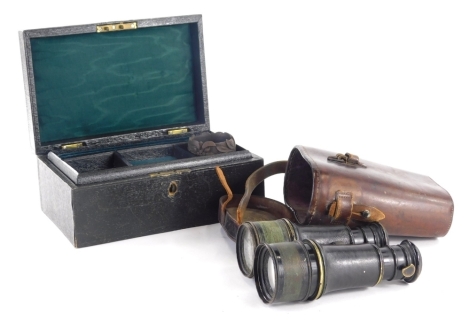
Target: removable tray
{"points": [[131, 162]]}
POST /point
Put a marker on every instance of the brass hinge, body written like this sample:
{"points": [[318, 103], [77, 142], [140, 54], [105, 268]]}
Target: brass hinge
{"points": [[177, 131], [72, 146], [117, 27]]}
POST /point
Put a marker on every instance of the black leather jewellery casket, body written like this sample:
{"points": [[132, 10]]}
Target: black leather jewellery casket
{"points": [[111, 109]]}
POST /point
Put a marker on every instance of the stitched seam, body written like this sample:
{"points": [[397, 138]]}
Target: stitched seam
{"points": [[315, 193], [450, 221], [289, 169], [287, 179], [452, 211]]}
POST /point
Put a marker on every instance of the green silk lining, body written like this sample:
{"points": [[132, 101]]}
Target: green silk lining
{"points": [[101, 84]]}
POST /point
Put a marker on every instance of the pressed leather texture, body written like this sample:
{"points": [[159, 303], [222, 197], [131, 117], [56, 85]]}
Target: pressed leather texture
{"points": [[325, 235], [413, 204], [137, 206], [347, 269]]}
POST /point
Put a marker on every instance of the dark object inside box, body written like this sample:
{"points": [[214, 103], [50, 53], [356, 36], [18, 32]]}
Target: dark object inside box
{"points": [[112, 107]]}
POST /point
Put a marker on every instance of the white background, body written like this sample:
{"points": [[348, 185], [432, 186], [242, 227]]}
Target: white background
{"points": [[388, 81]]}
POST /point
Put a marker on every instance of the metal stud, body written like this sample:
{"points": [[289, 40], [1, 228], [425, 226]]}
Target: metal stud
{"points": [[365, 213]]}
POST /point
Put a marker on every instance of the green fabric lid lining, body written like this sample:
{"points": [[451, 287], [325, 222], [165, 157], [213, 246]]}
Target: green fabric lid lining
{"points": [[101, 84]]}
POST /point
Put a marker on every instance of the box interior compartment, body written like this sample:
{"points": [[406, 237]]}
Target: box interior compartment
{"points": [[131, 162], [128, 157]]}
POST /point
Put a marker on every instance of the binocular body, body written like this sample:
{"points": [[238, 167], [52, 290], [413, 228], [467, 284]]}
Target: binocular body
{"points": [[305, 270], [251, 234]]}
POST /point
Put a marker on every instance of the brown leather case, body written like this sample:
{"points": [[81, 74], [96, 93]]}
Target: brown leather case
{"points": [[322, 187]]}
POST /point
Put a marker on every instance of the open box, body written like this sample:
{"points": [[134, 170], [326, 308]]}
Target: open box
{"points": [[112, 107]]}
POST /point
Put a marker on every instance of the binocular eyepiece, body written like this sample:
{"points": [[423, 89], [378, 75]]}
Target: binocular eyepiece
{"points": [[305, 270], [250, 234]]}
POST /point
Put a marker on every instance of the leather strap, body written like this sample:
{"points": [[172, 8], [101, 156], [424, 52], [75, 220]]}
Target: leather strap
{"points": [[252, 208], [224, 183], [343, 209], [254, 179]]}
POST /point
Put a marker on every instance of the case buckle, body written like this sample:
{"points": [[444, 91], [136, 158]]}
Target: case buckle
{"points": [[346, 159], [343, 209]]}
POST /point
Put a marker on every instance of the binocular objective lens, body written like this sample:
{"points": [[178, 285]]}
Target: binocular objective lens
{"points": [[271, 273], [281, 272], [250, 234], [248, 250], [267, 269]]}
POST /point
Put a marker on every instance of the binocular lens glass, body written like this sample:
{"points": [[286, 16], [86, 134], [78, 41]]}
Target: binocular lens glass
{"points": [[248, 250], [250, 234], [271, 272], [268, 272], [282, 273]]}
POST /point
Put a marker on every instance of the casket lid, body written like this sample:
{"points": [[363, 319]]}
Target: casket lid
{"points": [[118, 83]]}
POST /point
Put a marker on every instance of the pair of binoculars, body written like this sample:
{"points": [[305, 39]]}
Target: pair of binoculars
{"points": [[301, 263]]}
